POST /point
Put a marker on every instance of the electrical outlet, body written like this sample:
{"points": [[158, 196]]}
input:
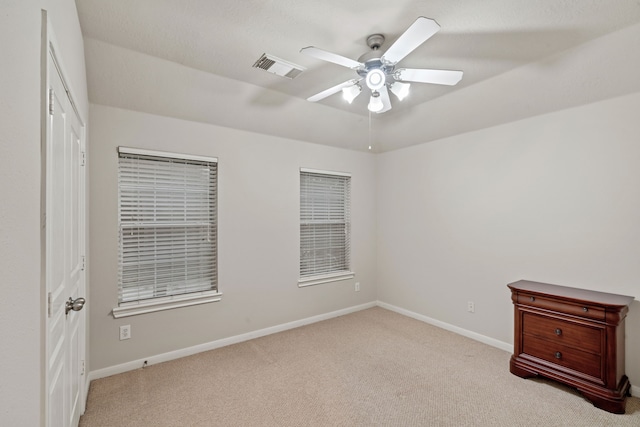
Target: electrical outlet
{"points": [[357, 287], [471, 308], [125, 332]]}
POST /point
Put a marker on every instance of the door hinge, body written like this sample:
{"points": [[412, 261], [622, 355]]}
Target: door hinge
{"points": [[82, 369], [51, 102], [49, 305], [83, 158], [82, 263]]}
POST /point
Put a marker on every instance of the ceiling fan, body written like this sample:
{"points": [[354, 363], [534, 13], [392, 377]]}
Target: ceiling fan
{"points": [[378, 70]]}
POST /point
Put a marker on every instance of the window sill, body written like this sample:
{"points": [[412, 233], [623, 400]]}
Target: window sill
{"points": [[316, 280], [168, 303]]}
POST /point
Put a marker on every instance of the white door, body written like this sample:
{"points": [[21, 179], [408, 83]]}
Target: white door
{"points": [[64, 235]]}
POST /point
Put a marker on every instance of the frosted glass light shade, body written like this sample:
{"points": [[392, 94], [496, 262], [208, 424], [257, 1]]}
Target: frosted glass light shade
{"points": [[350, 93], [401, 90], [375, 103]]}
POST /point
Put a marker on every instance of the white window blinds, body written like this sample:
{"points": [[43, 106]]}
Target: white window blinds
{"points": [[168, 225], [325, 223]]}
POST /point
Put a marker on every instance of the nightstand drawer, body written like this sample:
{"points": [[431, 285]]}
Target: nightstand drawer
{"points": [[560, 332], [561, 306], [569, 357]]}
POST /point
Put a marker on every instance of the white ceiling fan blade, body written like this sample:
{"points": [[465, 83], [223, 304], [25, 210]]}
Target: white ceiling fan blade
{"points": [[439, 77], [331, 57], [332, 90], [416, 34], [384, 96]]}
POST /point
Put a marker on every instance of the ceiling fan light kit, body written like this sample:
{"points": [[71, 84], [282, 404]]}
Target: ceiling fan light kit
{"points": [[375, 79], [378, 70]]}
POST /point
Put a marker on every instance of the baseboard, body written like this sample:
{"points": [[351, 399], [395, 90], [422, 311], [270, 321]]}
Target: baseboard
{"points": [[172, 355], [85, 396], [460, 331], [635, 391]]}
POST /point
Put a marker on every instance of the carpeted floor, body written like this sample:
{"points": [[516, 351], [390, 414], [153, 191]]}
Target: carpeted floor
{"points": [[370, 368]]}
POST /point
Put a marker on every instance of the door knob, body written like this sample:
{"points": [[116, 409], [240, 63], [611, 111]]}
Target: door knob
{"points": [[74, 304]]}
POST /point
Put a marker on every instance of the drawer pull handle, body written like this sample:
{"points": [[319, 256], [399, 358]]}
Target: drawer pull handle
{"points": [[558, 331], [558, 355], [585, 309], [532, 299]]}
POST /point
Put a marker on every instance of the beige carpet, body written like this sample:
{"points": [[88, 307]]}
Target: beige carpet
{"points": [[370, 368]]}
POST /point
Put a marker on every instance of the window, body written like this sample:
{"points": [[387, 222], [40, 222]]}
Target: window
{"points": [[168, 231], [325, 226]]}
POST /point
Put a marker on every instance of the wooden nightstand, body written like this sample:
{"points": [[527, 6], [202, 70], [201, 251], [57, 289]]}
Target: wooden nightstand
{"points": [[574, 336]]}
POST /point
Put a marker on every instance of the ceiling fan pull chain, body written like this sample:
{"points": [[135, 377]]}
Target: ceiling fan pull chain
{"points": [[369, 130]]}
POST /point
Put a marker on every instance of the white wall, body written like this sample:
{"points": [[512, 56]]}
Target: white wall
{"points": [[21, 323], [552, 198], [258, 217]]}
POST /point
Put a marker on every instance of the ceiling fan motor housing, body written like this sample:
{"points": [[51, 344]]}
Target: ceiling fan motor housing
{"points": [[372, 60], [375, 63]]}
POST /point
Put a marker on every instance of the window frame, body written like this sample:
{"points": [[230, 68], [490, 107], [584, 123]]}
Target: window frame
{"points": [[183, 299], [338, 274]]}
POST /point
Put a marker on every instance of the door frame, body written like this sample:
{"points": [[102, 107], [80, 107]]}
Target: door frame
{"points": [[50, 47]]}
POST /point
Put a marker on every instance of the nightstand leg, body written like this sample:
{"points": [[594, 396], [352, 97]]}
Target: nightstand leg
{"points": [[515, 369]]}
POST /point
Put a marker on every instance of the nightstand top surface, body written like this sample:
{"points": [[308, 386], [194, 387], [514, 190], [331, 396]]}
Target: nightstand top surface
{"points": [[576, 294]]}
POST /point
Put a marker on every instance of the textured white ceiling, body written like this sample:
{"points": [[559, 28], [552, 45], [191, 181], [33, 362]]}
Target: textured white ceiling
{"points": [[192, 59]]}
